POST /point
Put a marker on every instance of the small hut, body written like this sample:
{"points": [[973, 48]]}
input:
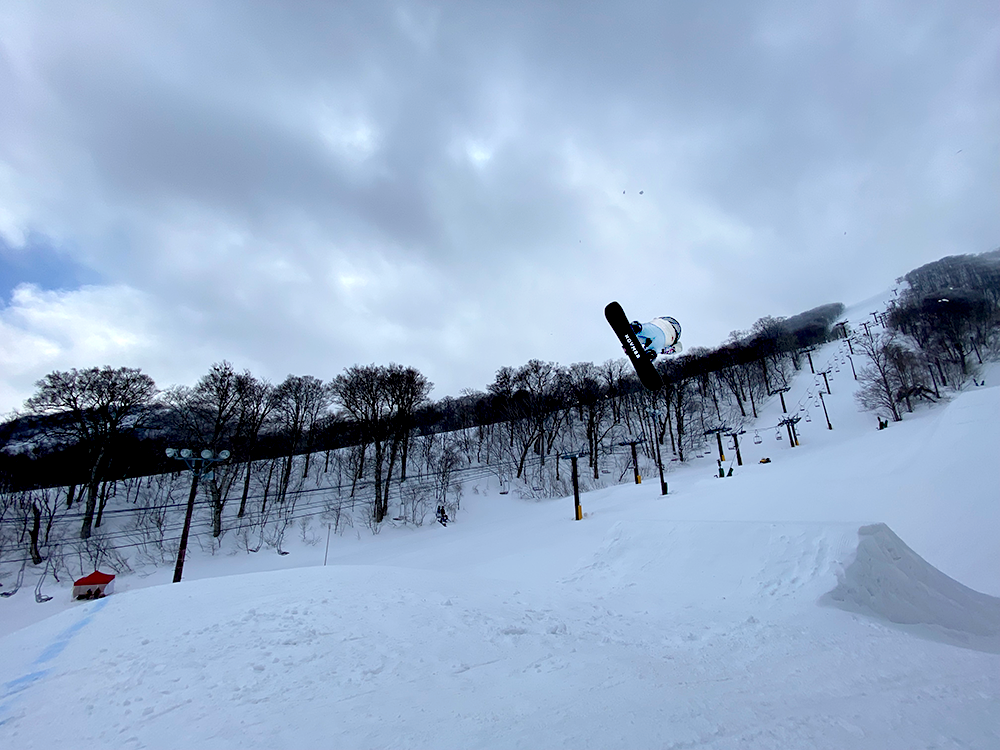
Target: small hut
{"points": [[94, 586]]}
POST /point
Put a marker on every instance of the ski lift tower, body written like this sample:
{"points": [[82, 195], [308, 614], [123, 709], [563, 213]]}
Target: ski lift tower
{"points": [[826, 414], [717, 431], [789, 424], [781, 392], [826, 380], [574, 457], [635, 458], [654, 414], [735, 435], [808, 352]]}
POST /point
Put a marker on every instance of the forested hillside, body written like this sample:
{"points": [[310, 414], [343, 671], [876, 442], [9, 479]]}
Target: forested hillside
{"points": [[86, 479]]}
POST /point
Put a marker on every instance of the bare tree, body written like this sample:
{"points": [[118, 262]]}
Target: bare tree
{"points": [[679, 374], [408, 390], [257, 400], [382, 401], [528, 399], [95, 409], [878, 379], [593, 406], [299, 403]]}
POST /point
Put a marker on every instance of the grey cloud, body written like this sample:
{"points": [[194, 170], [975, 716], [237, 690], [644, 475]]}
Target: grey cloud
{"points": [[483, 148]]}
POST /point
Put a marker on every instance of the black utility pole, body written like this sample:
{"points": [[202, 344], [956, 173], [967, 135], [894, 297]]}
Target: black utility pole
{"points": [[200, 467], [852, 365], [577, 508], [654, 415]]}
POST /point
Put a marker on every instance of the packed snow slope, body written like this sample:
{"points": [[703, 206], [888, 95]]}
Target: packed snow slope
{"points": [[843, 595]]}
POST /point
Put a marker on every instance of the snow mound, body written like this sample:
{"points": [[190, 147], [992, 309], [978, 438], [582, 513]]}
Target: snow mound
{"points": [[866, 569], [889, 581], [699, 562]]}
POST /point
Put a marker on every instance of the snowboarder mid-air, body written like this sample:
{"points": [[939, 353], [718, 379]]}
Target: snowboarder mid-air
{"points": [[658, 336]]}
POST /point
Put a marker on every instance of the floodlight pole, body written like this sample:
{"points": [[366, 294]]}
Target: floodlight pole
{"points": [[199, 466]]}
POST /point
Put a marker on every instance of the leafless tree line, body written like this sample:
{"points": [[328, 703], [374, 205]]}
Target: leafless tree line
{"points": [[406, 455], [527, 416], [933, 336]]}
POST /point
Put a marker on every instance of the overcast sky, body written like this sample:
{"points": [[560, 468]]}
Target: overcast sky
{"points": [[299, 187]]}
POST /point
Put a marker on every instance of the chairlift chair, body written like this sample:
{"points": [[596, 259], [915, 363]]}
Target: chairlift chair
{"points": [[757, 439], [39, 596], [777, 433]]}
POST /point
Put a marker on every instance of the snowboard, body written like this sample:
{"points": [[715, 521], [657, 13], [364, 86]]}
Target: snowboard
{"points": [[644, 366]]}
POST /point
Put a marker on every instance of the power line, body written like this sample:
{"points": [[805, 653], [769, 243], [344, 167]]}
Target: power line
{"points": [[205, 527]]}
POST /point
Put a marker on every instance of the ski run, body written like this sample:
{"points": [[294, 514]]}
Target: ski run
{"points": [[843, 595]]}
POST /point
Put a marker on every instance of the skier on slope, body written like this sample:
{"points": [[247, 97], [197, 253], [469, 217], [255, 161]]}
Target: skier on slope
{"points": [[658, 336]]}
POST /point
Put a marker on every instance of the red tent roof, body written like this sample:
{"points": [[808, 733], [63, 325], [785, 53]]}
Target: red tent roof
{"points": [[95, 579]]}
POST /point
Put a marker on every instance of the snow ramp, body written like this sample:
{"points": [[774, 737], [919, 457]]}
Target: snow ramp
{"points": [[889, 581], [864, 569]]}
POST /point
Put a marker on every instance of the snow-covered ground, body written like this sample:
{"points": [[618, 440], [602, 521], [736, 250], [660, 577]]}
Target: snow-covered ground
{"points": [[843, 595]]}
